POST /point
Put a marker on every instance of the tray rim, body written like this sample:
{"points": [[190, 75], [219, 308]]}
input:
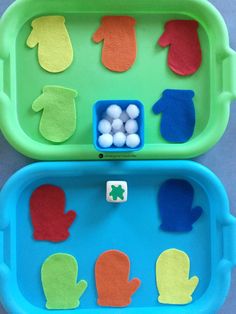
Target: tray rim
{"points": [[219, 285], [16, 136]]}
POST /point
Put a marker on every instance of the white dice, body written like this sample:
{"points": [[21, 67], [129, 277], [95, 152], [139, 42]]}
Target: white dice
{"points": [[116, 191]]}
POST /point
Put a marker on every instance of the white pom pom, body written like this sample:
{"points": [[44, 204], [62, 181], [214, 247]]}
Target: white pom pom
{"points": [[132, 140], [119, 139], [133, 111], [114, 111], [124, 116], [105, 140], [117, 124], [131, 126], [104, 126]]}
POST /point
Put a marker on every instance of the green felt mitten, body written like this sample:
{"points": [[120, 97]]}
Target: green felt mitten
{"points": [[58, 121], [59, 278]]}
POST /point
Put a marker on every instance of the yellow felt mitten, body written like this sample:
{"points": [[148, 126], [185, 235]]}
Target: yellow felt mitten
{"points": [[172, 277], [55, 52]]}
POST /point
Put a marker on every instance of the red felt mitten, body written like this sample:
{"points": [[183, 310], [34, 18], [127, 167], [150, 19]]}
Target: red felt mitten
{"points": [[47, 206], [112, 279], [118, 34], [185, 54]]}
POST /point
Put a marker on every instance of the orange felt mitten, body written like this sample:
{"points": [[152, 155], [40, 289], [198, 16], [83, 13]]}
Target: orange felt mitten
{"points": [[112, 279], [118, 34]]}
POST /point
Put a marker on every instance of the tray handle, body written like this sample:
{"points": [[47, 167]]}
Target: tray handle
{"points": [[229, 74], [2, 260], [229, 241], [1, 74]]}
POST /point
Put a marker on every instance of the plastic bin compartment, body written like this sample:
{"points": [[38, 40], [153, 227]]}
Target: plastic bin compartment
{"points": [[98, 111], [213, 84], [132, 227]]}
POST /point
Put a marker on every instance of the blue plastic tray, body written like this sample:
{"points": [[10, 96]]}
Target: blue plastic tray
{"points": [[132, 227]]}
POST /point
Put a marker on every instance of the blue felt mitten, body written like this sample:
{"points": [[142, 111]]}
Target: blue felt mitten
{"points": [[178, 115], [175, 200]]}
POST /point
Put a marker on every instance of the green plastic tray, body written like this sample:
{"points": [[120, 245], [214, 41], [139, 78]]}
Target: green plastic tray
{"points": [[22, 79]]}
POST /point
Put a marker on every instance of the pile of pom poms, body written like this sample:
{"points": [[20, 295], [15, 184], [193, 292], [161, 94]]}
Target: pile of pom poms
{"points": [[119, 127]]}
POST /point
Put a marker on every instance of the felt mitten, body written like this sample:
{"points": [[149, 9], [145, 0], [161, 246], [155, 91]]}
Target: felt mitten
{"points": [[172, 278], [119, 47], [175, 202], [112, 279], [55, 52], [47, 209], [178, 115], [185, 54], [59, 279], [58, 121]]}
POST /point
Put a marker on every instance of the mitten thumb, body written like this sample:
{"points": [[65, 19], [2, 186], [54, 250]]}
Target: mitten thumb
{"points": [[134, 284], [196, 213], [191, 284], [164, 40], [159, 106], [99, 34], [81, 287], [70, 217], [38, 104], [32, 40]]}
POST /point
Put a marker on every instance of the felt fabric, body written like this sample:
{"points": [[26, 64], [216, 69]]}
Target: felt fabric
{"points": [[58, 121], [59, 279], [119, 48], [172, 278], [178, 115], [175, 200], [185, 54], [47, 206], [55, 52], [112, 279]]}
